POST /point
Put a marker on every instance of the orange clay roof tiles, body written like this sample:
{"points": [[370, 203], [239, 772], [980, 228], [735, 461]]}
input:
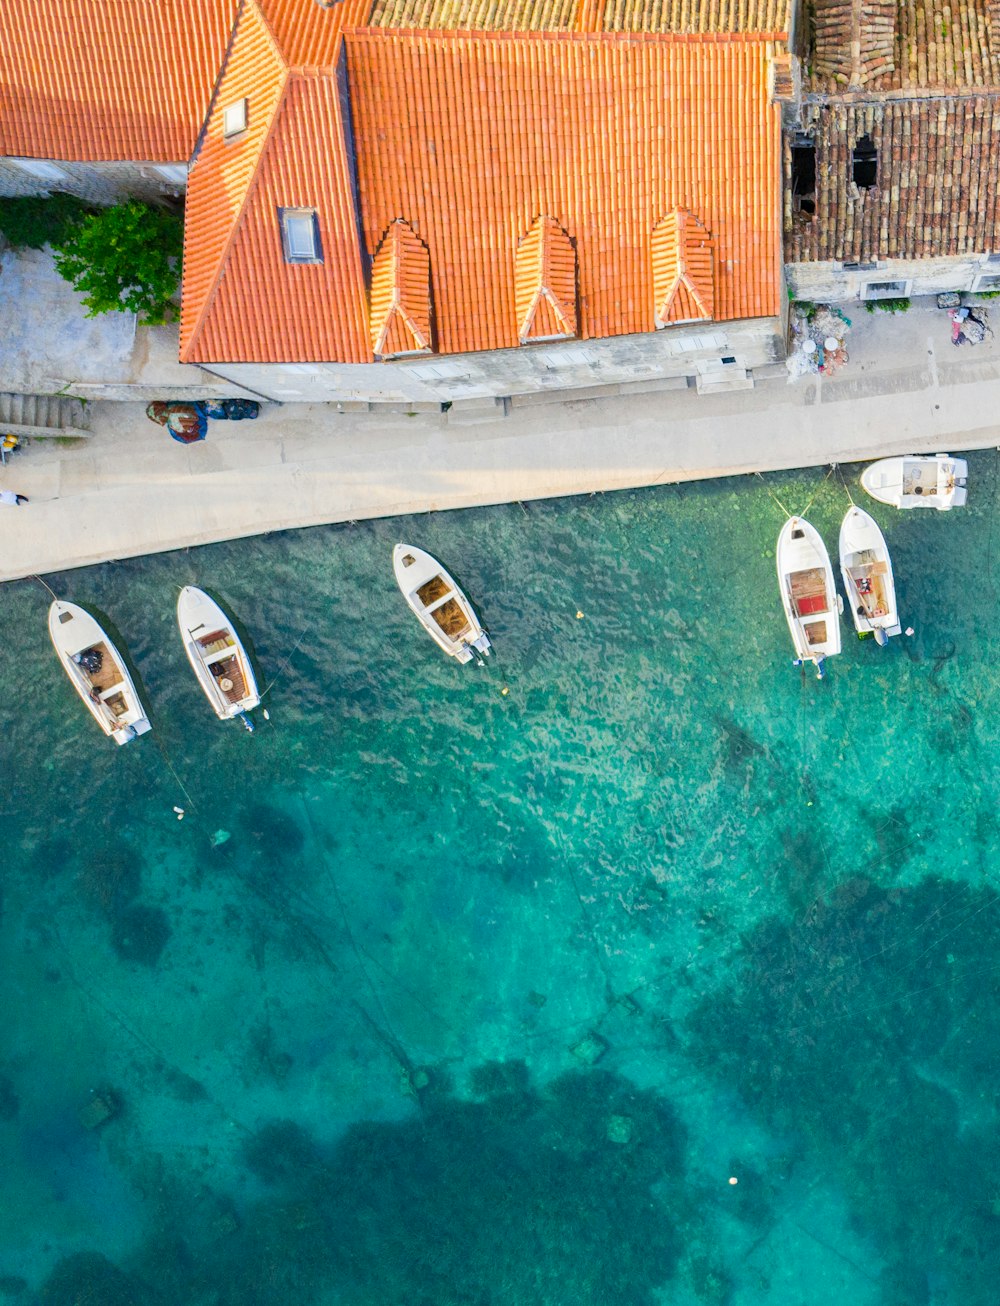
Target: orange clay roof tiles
{"points": [[470, 138], [242, 301], [91, 80], [401, 295], [307, 33], [545, 284]]}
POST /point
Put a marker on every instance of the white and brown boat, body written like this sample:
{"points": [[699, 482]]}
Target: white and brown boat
{"points": [[868, 580], [918, 481], [217, 655], [808, 592], [439, 604], [97, 672]]}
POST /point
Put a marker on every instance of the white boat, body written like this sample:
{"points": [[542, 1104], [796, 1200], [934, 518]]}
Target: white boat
{"points": [[812, 604], [918, 481], [867, 573], [217, 655], [97, 672], [441, 607]]}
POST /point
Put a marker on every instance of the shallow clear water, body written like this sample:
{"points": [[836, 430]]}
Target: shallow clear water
{"points": [[487, 997]]}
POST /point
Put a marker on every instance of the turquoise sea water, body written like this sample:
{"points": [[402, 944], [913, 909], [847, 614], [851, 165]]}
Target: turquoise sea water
{"points": [[488, 997]]}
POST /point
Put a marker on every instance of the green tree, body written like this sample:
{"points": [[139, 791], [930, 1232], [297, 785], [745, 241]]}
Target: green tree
{"points": [[125, 259], [32, 221]]}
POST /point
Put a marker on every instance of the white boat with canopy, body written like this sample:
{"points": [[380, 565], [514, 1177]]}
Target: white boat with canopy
{"points": [[439, 604], [97, 672], [217, 655], [808, 592], [867, 572], [918, 481]]}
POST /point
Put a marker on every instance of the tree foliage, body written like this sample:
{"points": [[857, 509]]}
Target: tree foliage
{"points": [[126, 258], [31, 221]]}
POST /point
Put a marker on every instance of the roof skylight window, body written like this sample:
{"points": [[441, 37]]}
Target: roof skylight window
{"points": [[300, 236], [234, 118]]}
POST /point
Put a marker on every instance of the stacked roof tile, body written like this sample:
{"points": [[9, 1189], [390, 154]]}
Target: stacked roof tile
{"points": [[400, 294], [93, 80], [586, 15], [545, 284]]}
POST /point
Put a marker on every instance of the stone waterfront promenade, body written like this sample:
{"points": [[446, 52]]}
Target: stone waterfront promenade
{"points": [[131, 490]]}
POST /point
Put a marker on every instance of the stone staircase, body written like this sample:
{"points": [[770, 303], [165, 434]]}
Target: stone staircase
{"points": [[35, 416]]}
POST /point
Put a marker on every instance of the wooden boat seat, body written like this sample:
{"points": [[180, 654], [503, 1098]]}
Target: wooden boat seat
{"points": [[452, 620], [229, 670], [808, 591], [432, 590], [107, 677], [116, 704], [815, 632], [216, 641]]}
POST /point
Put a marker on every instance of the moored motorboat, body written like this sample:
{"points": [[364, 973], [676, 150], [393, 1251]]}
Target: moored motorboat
{"points": [[217, 655], [439, 604], [867, 572], [918, 481], [812, 604], [97, 672]]}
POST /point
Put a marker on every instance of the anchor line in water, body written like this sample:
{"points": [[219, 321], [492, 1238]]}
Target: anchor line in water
{"points": [[280, 671], [355, 948]]}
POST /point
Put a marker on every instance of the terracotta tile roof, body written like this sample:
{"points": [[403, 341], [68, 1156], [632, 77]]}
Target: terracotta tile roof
{"points": [[87, 80], [586, 15], [242, 300], [604, 134], [545, 284], [938, 181], [902, 45], [683, 269], [308, 33], [401, 294]]}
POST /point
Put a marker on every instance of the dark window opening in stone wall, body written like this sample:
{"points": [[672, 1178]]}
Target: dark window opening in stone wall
{"points": [[865, 163], [804, 174]]}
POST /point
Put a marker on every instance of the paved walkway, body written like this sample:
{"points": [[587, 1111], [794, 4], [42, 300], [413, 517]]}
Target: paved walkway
{"points": [[131, 490]]}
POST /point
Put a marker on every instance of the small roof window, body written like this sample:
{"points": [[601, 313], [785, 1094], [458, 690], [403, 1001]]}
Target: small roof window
{"points": [[300, 236], [234, 118]]}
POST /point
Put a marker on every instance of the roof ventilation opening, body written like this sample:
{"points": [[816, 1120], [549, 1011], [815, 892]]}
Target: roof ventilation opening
{"points": [[865, 163], [804, 174]]}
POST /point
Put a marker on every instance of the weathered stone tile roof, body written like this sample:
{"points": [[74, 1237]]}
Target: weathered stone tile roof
{"points": [[585, 15], [938, 181]]}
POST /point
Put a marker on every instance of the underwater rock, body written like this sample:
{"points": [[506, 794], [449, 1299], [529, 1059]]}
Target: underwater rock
{"points": [[89, 1279], [281, 1152], [111, 879], [274, 833], [219, 838], [628, 1004], [10, 1103], [494, 1077], [12, 1285], [620, 1129], [537, 999], [102, 1105], [140, 934], [590, 1049]]}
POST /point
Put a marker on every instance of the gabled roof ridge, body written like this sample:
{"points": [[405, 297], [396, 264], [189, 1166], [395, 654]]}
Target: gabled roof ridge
{"points": [[269, 32], [235, 226]]}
